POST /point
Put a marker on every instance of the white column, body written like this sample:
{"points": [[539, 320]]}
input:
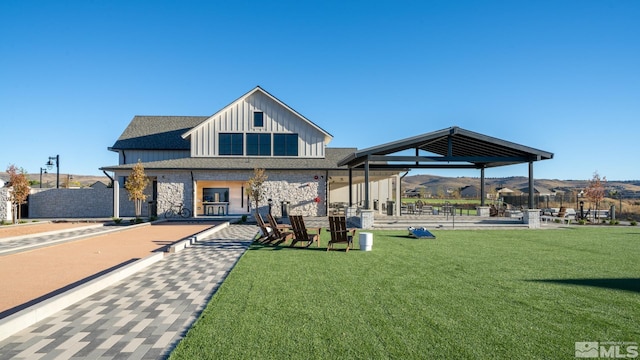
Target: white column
{"points": [[116, 197]]}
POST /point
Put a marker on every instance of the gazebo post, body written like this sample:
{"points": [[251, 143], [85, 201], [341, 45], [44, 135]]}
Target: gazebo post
{"points": [[482, 189], [531, 189]]}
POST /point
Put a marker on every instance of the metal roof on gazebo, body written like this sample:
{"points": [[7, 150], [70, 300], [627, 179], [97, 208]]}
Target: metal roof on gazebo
{"points": [[453, 147]]}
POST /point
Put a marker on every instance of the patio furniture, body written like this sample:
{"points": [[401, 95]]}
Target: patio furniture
{"points": [[274, 223], [281, 231], [493, 211], [300, 233], [265, 231], [270, 234], [339, 232]]}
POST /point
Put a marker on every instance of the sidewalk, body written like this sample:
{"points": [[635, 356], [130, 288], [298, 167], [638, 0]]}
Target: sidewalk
{"points": [[141, 317]]}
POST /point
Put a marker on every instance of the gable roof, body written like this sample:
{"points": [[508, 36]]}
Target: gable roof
{"points": [[327, 136], [157, 133], [456, 148]]}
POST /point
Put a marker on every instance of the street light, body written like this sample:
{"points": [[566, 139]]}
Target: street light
{"points": [[42, 170], [50, 164]]}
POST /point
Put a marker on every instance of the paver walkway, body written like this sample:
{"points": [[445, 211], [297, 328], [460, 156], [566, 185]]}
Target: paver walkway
{"points": [[141, 317]]}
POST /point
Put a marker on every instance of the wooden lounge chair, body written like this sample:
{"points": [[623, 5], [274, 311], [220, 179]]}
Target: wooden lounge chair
{"points": [[493, 211], [274, 223], [339, 232], [265, 231], [300, 233], [280, 231]]}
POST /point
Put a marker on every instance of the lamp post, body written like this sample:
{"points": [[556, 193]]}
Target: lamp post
{"points": [[50, 164], [42, 170]]}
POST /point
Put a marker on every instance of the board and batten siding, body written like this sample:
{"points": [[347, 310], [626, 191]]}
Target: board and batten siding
{"points": [[238, 118]]}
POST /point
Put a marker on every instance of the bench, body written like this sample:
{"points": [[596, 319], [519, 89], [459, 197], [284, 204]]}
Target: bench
{"points": [[563, 215]]}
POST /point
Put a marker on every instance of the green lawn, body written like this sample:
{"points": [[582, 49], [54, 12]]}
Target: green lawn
{"points": [[506, 294]]}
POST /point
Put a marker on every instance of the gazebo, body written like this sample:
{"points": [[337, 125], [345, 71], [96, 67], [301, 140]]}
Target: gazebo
{"points": [[450, 148]]}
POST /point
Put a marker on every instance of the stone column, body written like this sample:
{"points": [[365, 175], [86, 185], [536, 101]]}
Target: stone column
{"points": [[366, 218], [532, 218], [483, 210], [351, 214]]}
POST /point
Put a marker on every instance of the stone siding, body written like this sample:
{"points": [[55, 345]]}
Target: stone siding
{"points": [[174, 189], [5, 205], [301, 190]]}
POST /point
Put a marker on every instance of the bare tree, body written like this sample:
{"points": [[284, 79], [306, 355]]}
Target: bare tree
{"points": [[595, 190], [19, 190], [255, 184], [136, 184]]}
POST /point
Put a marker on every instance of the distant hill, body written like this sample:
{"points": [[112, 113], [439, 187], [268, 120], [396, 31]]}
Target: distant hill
{"points": [[49, 179], [434, 184]]}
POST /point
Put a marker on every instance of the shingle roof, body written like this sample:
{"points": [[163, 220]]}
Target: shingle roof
{"points": [[157, 133], [330, 162]]}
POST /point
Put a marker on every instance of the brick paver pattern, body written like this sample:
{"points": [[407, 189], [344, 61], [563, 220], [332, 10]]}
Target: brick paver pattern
{"points": [[141, 317]]}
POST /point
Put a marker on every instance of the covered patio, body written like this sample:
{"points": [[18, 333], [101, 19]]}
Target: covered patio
{"points": [[450, 148]]}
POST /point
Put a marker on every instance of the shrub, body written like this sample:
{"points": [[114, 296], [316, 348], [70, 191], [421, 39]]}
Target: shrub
{"points": [[117, 220], [582, 221], [244, 218], [633, 223]]}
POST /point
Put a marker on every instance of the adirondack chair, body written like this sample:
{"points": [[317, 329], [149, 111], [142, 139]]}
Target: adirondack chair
{"points": [[266, 232], [339, 232], [274, 223], [300, 233], [279, 231]]}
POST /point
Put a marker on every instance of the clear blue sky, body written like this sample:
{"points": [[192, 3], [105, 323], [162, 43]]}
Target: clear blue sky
{"points": [[560, 76]]}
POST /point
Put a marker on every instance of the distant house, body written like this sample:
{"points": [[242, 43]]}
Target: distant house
{"points": [[504, 192], [205, 162], [99, 185], [537, 190], [470, 191]]}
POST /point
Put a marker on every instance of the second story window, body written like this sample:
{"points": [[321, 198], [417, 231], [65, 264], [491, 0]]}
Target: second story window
{"points": [[258, 144], [230, 144], [285, 144], [258, 119]]}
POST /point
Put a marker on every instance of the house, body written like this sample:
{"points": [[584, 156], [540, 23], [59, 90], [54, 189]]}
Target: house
{"points": [[204, 162], [470, 191], [98, 185]]}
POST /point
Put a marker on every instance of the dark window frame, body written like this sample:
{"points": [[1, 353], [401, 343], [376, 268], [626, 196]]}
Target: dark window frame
{"points": [[285, 144], [262, 145], [258, 121], [233, 146]]}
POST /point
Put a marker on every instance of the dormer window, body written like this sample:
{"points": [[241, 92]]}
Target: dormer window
{"points": [[258, 119]]}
